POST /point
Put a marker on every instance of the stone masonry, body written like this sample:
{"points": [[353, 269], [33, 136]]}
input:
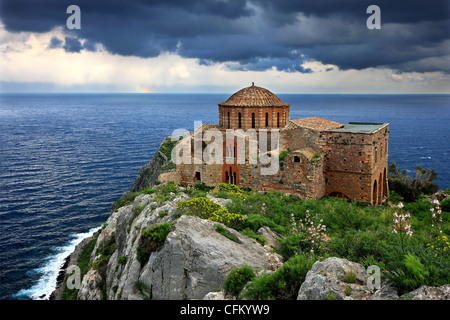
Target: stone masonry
{"points": [[313, 157]]}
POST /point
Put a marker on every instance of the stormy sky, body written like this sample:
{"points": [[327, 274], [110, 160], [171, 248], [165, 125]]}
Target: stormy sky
{"points": [[192, 45]]}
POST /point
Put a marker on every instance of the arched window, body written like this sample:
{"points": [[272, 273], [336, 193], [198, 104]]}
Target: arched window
{"points": [[229, 121], [375, 192], [240, 121], [267, 119], [278, 119], [253, 120]]}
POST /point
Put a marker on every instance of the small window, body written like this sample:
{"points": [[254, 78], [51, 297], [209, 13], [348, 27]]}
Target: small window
{"points": [[240, 121], [267, 119], [197, 176], [296, 159], [253, 120]]}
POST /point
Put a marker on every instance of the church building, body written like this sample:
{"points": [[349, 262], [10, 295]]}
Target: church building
{"points": [[314, 156]]}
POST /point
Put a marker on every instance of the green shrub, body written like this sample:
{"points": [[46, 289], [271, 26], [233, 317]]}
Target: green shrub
{"points": [[252, 234], [152, 239], [227, 190], [256, 221], [128, 197], [169, 187], [206, 209], [359, 245], [142, 289], [162, 214], [202, 187], [237, 279], [149, 190], [409, 273], [169, 166], [411, 187], [123, 260], [292, 245], [331, 296], [105, 250], [445, 205], [284, 283], [228, 187], [282, 156], [262, 288], [201, 207], [221, 229], [166, 148], [394, 197]]}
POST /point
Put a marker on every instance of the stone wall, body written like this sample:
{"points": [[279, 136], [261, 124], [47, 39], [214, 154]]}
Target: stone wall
{"points": [[346, 164], [277, 117], [296, 138], [354, 161], [169, 176]]}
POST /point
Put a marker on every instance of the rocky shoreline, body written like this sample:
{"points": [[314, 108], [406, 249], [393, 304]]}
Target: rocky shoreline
{"points": [[71, 259]]}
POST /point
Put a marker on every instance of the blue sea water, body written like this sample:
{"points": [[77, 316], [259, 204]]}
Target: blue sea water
{"points": [[64, 158]]}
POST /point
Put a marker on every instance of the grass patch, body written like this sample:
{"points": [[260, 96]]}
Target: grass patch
{"points": [[128, 197], [221, 229], [151, 240], [350, 277]]}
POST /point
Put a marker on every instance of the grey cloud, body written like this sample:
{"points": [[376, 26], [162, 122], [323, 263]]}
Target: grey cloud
{"points": [[252, 34]]}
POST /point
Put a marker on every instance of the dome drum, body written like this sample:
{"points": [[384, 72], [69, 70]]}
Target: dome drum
{"points": [[253, 107]]}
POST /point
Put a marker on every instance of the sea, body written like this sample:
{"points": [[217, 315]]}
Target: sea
{"points": [[64, 158]]}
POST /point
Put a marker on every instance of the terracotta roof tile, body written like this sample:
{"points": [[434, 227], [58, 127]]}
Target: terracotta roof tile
{"points": [[254, 96], [315, 123]]}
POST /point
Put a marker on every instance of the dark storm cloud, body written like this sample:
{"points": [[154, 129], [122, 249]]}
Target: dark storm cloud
{"points": [[55, 43], [258, 35], [72, 45]]}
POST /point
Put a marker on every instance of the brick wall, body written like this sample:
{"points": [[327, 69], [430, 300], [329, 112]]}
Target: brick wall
{"points": [[354, 161], [277, 117]]}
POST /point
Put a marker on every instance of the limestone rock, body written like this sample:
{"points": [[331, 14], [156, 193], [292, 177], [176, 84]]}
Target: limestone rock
{"points": [[430, 293], [89, 289], [217, 295], [149, 173], [270, 236], [387, 291], [221, 201], [196, 259], [327, 277]]}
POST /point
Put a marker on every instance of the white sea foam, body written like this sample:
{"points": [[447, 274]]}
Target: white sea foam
{"points": [[52, 265]]}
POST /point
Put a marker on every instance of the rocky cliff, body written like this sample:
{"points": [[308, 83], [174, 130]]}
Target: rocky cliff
{"points": [[193, 260], [149, 173]]}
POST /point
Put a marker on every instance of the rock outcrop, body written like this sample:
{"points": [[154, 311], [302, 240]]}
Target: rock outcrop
{"points": [[149, 173], [329, 278], [194, 259], [429, 293]]}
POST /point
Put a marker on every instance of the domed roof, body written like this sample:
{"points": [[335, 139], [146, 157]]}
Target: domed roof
{"points": [[254, 96]]}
